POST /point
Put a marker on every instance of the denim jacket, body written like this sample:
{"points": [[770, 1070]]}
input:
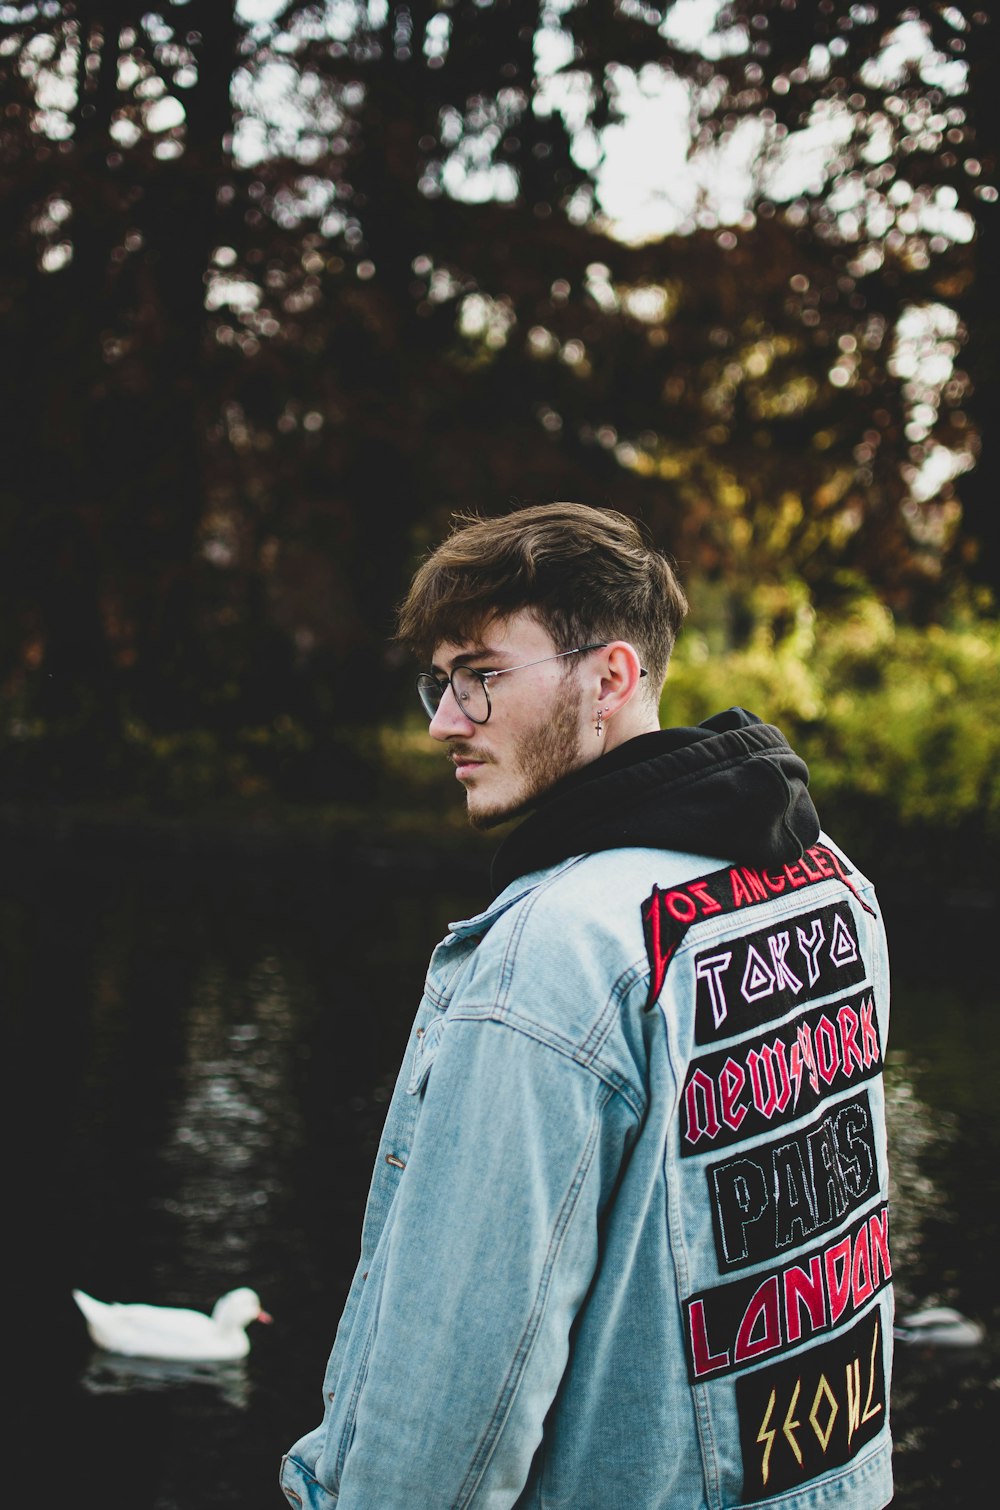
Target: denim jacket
{"points": [[626, 1244]]}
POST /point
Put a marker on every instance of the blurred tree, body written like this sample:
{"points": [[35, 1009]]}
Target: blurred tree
{"points": [[112, 184], [903, 211], [291, 283]]}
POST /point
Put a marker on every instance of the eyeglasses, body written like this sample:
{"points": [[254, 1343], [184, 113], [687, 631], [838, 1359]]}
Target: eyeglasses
{"points": [[470, 688]]}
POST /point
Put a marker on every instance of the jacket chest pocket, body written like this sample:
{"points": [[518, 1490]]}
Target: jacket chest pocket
{"points": [[428, 1043]]}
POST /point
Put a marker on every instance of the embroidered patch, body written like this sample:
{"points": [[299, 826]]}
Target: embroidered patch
{"points": [[740, 1092], [667, 915], [775, 1196], [763, 975], [813, 1413], [737, 1324]]}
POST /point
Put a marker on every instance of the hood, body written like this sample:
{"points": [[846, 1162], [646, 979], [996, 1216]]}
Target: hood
{"points": [[731, 788]]}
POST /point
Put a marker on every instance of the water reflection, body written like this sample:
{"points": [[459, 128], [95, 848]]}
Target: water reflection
{"points": [[216, 1065], [914, 1130], [943, 1137], [113, 1374], [233, 1120]]}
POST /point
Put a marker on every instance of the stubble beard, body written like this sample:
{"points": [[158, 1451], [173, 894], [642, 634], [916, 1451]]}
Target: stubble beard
{"points": [[542, 758]]}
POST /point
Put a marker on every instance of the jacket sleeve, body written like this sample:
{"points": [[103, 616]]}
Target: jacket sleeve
{"points": [[492, 1249]]}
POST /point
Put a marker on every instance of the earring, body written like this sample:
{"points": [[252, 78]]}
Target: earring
{"points": [[599, 725]]}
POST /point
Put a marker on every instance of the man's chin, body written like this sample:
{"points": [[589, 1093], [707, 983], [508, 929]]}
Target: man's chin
{"points": [[484, 819]]}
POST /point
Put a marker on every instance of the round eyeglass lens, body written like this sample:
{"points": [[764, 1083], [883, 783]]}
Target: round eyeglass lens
{"points": [[468, 690], [470, 694], [429, 692]]}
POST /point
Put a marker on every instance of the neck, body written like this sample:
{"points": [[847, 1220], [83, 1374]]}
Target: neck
{"points": [[627, 724]]}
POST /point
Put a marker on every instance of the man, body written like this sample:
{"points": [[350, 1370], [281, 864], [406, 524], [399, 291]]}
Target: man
{"points": [[626, 1245]]}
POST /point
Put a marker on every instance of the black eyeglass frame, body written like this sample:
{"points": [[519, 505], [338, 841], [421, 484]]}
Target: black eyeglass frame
{"points": [[434, 687]]}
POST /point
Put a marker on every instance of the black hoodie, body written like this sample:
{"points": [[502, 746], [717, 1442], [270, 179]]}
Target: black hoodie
{"points": [[731, 788]]}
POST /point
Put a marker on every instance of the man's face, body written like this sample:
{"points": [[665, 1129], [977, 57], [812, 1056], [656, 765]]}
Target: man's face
{"points": [[535, 733]]}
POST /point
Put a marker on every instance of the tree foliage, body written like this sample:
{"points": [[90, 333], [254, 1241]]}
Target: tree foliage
{"points": [[285, 293]]}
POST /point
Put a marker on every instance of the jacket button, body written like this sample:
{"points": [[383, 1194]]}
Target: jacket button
{"points": [[390, 1158], [420, 1032]]}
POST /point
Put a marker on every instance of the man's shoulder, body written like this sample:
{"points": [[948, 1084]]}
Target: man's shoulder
{"points": [[598, 885], [564, 962], [601, 903], [589, 908]]}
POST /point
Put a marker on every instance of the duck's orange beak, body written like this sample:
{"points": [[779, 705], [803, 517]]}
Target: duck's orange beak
{"points": [[264, 1316]]}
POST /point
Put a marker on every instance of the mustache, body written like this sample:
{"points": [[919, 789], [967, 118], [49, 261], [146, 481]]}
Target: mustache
{"points": [[459, 752]]}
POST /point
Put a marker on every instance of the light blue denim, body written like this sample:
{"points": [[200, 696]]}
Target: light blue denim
{"points": [[519, 1329]]}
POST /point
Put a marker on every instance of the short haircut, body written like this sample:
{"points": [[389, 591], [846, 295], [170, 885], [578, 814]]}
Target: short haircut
{"points": [[585, 574]]}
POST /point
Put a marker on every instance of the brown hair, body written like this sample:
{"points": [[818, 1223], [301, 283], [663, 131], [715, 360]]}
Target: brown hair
{"points": [[586, 574]]}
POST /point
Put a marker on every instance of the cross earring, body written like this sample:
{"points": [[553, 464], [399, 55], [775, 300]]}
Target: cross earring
{"points": [[599, 725]]}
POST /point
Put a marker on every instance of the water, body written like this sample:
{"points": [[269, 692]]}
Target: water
{"points": [[204, 1048]]}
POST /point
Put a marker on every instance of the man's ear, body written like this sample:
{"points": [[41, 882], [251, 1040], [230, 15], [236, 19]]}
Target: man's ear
{"points": [[621, 675]]}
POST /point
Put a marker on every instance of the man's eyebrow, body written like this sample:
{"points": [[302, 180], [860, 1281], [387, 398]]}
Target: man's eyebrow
{"points": [[465, 656]]}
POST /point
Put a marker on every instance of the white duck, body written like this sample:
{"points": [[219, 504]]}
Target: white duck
{"points": [[144, 1331], [939, 1326]]}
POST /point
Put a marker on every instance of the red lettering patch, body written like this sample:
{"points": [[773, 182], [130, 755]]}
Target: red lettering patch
{"points": [[740, 1322], [668, 914], [741, 1091]]}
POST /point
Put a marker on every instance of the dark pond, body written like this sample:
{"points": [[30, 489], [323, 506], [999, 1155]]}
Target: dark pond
{"points": [[203, 1044]]}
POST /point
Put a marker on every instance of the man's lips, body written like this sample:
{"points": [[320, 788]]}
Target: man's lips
{"points": [[466, 762]]}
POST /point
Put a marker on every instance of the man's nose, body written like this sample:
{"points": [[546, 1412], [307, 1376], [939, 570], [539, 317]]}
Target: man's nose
{"points": [[449, 719]]}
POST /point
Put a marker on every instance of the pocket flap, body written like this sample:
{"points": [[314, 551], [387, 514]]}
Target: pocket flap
{"points": [[427, 1046]]}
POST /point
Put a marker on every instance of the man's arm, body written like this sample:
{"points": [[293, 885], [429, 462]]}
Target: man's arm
{"points": [[493, 1247]]}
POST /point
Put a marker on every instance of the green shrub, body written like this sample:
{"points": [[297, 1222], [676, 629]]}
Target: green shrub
{"points": [[900, 726]]}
